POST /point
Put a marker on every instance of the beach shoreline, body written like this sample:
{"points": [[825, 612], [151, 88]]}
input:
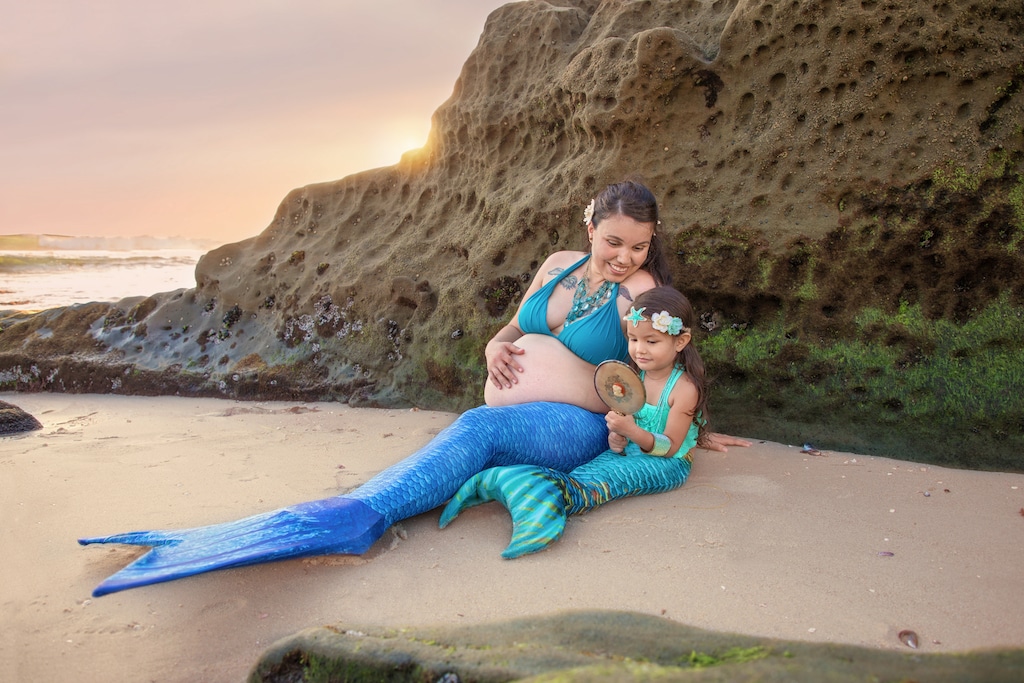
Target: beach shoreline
{"points": [[766, 541]]}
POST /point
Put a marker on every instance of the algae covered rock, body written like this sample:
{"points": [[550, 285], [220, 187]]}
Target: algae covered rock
{"points": [[600, 646], [841, 186]]}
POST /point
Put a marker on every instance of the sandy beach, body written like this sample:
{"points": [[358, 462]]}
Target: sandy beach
{"points": [[768, 541]]}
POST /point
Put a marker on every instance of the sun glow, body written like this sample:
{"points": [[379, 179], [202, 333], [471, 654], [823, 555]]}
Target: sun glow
{"points": [[398, 137]]}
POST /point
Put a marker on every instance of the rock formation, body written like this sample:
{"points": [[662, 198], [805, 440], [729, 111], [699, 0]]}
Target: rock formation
{"points": [[840, 181], [597, 647], [14, 420]]}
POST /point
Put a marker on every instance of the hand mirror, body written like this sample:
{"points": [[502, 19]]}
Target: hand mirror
{"points": [[620, 387]]}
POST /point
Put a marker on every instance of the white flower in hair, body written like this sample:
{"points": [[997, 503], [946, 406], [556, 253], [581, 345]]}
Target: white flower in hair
{"points": [[588, 213], [663, 322]]}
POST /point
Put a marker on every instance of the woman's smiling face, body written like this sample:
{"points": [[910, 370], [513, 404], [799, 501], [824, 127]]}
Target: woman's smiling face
{"points": [[620, 246]]}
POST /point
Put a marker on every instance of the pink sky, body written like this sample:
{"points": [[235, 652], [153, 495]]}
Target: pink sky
{"points": [[194, 119]]}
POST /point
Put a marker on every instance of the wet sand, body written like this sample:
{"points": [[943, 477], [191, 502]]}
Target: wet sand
{"points": [[765, 541]]}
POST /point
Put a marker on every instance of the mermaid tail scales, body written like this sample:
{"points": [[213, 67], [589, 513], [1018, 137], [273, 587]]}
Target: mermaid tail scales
{"points": [[549, 434], [534, 496], [540, 499], [331, 526]]}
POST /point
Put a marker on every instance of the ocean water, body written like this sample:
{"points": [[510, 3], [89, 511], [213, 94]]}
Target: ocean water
{"points": [[40, 272]]}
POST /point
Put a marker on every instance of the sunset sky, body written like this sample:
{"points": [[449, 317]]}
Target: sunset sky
{"points": [[195, 118]]}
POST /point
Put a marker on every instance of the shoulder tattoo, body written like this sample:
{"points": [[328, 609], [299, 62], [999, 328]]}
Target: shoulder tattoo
{"points": [[569, 282], [625, 294]]}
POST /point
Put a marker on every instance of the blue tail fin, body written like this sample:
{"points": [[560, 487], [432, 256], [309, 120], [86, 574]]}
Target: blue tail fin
{"points": [[332, 525]]}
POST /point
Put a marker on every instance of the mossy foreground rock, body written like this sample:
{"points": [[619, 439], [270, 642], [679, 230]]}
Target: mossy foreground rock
{"points": [[602, 646], [842, 190]]}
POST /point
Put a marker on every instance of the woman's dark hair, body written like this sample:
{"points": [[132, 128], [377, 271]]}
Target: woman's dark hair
{"points": [[669, 299], [632, 199]]}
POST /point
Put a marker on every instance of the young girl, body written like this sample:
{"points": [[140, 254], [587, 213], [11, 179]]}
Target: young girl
{"points": [[658, 328], [656, 442]]}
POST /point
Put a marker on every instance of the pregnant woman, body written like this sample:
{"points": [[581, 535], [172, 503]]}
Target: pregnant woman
{"points": [[541, 409]]}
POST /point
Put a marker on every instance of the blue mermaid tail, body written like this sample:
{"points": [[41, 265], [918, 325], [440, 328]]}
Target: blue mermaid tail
{"points": [[540, 499], [332, 525], [556, 436]]}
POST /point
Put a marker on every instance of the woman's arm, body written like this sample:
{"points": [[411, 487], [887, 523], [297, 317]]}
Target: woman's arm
{"points": [[501, 351], [721, 442], [715, 442]]}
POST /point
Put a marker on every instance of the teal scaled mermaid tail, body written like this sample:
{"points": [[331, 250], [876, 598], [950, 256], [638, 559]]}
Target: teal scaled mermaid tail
{"points": [[550, 435], [540, 499]]}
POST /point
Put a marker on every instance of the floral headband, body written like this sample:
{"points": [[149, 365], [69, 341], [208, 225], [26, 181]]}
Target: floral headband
{"points": [[662, 322]]}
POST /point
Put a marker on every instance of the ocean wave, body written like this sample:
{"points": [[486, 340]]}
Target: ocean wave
{"points": [[40, 261], [38, 280], [29, 242]]}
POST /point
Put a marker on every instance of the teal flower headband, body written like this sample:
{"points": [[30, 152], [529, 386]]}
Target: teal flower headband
{"points": [[662, 322]]}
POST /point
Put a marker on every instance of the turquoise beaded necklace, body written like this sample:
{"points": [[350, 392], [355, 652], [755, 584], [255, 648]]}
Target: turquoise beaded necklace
{"points": [[582, 304]]}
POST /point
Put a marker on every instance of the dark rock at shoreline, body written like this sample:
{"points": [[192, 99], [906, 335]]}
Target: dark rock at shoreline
{"points": [[14, 420], [842, 193], [603, 646]]}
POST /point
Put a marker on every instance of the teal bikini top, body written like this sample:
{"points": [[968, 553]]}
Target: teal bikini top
{"points": [[654, 418], [594, 338]]}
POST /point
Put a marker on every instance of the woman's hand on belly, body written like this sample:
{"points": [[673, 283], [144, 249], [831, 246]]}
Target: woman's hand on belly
{"points": [[502, 366], [551, 372]]}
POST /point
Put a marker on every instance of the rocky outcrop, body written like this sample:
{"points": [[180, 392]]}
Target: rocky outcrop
{"points": [[596, 647], [14, 420], [841, 184]]}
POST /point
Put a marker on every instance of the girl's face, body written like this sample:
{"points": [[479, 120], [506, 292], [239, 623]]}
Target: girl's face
{"points": [[652, 350], [619, 246]]}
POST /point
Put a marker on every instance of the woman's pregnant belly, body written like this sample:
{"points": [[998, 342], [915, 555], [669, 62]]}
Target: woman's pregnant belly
{"points": [[551, 373]]}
